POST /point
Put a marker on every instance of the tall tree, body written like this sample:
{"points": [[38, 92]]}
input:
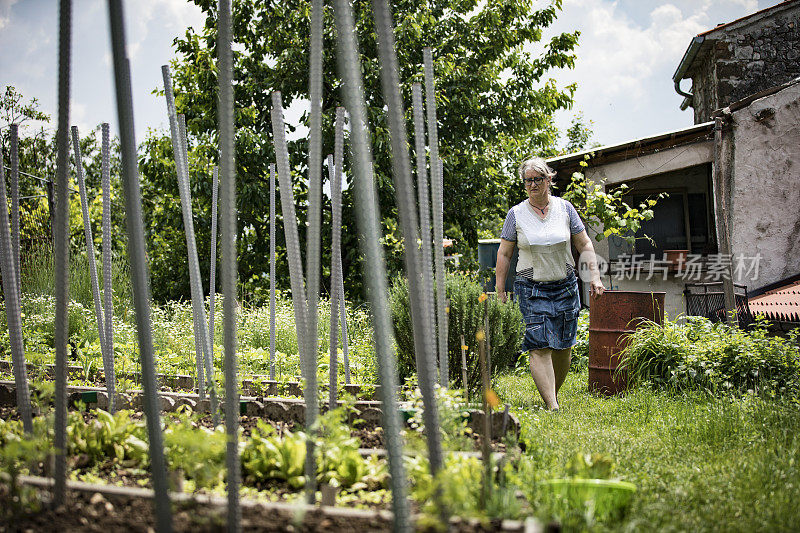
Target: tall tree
{"points": [[494, 97]]}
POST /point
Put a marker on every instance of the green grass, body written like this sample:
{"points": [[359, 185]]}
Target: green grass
{"points": [[699, 462]]}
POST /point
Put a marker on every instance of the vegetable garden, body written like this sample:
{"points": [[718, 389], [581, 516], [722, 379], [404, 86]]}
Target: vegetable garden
{"points": [[411, 410]]}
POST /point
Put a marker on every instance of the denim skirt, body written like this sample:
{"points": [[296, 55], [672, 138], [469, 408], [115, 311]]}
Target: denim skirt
{"points": [[550, 312]]}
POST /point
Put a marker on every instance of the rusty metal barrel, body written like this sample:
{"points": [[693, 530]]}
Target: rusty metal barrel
{"points": [[611, 318]]}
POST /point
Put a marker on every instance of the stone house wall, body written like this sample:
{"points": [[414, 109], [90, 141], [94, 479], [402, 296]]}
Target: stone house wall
{"points": [[745, 58]]}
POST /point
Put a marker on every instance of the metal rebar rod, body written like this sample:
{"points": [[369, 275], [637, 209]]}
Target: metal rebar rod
{"points": [[428, 304], [91, 259], [181, 169], [299, 302], [227, 151], [313, 237], [407, 208], [336, 248], [343, 320], [374, 264], [272, 272], [336, 200], [198, 304], [212, 278], [14, 160], [108, 321], [11, 290], [138, 261], [61, 245], [437, 199]]}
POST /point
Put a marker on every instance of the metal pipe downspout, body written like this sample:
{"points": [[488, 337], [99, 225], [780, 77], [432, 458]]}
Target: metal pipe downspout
{"points": [[687, 60]]}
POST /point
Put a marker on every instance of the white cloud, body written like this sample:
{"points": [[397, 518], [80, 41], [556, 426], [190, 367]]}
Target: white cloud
{"points": [[5, 12], [619, 55]]}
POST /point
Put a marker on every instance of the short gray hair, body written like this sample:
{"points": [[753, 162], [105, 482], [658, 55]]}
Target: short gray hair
{"points": [[538, 165]]}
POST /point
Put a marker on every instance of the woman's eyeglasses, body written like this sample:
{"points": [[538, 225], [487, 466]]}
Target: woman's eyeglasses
{"points": [[529, 181]]}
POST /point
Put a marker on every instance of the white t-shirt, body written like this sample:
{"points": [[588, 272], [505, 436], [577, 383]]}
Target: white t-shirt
{"points": [[545, 251]]}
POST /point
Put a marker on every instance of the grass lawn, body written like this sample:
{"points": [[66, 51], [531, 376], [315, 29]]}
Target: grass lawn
{"points": [[700, 463]]}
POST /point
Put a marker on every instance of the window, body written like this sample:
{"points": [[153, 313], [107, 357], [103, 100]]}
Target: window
{"points": [[680, 221]]}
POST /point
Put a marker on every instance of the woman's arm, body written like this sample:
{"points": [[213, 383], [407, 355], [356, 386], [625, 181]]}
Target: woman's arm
{"points": [[583, 244], [504, 254]]}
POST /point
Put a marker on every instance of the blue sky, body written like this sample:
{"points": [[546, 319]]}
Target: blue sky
{"points": [[629, 50]]}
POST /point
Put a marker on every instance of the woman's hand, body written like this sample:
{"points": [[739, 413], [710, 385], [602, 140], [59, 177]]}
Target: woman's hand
{"points": [[596, 288], [502, 296]]}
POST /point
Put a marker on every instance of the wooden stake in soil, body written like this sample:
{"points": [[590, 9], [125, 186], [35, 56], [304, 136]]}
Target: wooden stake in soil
{"points": [[464, 369], [486, 450], [374, 264], [138, 263], [61, 233], [108, 360]]}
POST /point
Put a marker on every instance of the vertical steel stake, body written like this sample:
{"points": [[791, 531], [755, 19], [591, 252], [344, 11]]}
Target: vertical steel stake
{"points": [[438, 222], [227, 151], [11, 290], [108, 321], [336, 201], [182, 172], [138, 260], [90, 258], [212, 279], [313, 240], [369, 223], [272, 272], [425, 228], [299, 302], [62, 250], [14, 157], [336, 213], [406, 202]]}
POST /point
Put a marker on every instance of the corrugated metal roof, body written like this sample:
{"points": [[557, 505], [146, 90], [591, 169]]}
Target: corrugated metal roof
{"points": [[782, 303]]}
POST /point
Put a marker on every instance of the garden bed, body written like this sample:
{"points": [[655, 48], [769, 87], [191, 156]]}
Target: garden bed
{"points": [[92, 507]]}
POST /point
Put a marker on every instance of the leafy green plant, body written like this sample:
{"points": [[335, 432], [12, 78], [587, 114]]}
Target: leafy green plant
{"points": [[196, 451], [466, 316], [608, 210], [339, 462], [108, 436], [268, 456], [712, 356]]}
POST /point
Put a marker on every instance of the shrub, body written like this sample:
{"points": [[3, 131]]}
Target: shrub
{"points": [[715, 357], [465, 317]]}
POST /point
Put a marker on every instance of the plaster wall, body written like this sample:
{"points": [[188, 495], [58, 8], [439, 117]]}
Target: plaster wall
{"points": [[765, 212], [682, 166]]}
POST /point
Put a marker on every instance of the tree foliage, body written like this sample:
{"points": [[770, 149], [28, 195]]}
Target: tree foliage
{"points": [[494, 97], [37, 162]]}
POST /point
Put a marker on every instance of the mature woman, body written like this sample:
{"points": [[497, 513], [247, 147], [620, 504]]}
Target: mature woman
{"points": [[543, 227]]}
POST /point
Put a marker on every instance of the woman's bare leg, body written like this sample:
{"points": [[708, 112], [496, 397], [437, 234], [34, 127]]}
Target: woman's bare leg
{"points": [[544, 376], [561, 360]]}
